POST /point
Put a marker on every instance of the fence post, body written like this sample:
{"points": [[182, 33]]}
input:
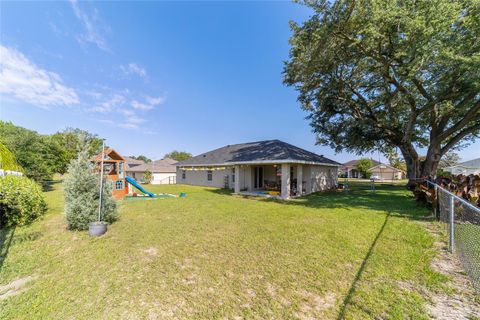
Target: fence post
{"points": [[435, 201], [451, 224]]}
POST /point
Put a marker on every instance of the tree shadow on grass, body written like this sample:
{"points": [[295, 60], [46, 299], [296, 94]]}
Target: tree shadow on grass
{"points": [[391, 199], [49, 185], [351, 292], [6, 238]]}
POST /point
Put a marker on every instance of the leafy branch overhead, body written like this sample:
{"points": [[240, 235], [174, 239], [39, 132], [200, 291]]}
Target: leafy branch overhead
{"points": [[382, 74]]}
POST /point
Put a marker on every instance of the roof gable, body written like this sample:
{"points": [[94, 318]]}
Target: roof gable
{"points": [[110, 154], [354, 163], [260, 151]]}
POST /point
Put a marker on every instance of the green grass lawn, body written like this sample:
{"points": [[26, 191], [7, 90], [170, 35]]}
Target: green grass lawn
{"points": [[212, 255]]}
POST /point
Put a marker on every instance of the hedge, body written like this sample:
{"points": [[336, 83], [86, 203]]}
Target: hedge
{"points": [[21, 201]]}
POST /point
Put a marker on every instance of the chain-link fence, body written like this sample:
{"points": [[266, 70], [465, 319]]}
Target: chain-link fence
{"points": [[462, 223]]}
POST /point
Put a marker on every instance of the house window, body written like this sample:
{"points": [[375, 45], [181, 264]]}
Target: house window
{"points": [[209, 175], [183, 174], [120, 169], [233, 175], [119, 185]]}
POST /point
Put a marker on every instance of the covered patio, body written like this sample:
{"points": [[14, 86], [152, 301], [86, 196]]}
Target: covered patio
{"points": [[270, 180]]}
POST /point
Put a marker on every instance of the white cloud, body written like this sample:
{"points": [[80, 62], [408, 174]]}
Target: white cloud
{"points": [[91, 24], [21, 78], [156, 101], [150, 103], [115, 101], [135, 69], [141, 106]]}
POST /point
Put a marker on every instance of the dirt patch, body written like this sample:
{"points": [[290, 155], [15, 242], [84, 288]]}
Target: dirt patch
{"points": [[15, 287], [461, 304], [152, 252], [314, 305]]}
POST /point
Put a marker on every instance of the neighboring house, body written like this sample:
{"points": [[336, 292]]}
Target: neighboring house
{"points": [[465, 168], [163, 171], [257, 167], [113, 170], [378, 169], [349, 169], [132, 163], [386, 172]]}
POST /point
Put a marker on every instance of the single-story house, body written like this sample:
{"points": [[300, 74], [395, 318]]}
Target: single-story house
{"points": [[386, 172], [163, 171], [465, 168], [382, 171], [271, 166], [349, 169]]}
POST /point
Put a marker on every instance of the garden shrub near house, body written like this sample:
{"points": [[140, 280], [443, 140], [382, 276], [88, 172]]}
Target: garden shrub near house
{"points": [[82, 187], [21, 201], [147, 176]]}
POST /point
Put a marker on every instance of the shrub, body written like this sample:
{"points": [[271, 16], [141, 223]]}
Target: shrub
{"points": [[82, 194], [21, 201], [147, 176], [363, 165]]}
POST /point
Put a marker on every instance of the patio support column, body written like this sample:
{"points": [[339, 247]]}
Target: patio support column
{"points": [[299, 180], [285, 181], [237, 179]]}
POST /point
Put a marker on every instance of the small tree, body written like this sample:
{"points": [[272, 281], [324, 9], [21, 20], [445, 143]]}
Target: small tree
{"points": [[449, 159], [148, 176], [363, 165], [82, 187]]}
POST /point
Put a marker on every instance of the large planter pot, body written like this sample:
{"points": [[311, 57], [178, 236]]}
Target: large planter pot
{"points": [[96, 229]]}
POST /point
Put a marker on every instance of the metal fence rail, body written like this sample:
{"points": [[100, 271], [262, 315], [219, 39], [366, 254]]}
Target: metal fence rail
{"points": [[462, 223]]}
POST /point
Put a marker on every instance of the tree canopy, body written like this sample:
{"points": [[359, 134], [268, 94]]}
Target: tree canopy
{"points": [[43, 155], [178, 155], [142, 158], [450, 159], [377, 74]]}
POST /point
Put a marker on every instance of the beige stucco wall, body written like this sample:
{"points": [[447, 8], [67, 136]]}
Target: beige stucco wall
{"points": [[319, 178], [387, 173]]}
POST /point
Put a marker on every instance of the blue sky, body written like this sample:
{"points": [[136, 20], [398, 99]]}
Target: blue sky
{"points": [[151, 77]]}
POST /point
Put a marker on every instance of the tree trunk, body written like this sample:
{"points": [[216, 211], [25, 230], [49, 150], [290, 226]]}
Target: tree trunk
{"points": [[413, 165], [430, 165]]}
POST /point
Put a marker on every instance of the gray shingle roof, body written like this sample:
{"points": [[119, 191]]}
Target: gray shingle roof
{"points": [[353, 163], [261, 151], [475, 163], [166, 165]]}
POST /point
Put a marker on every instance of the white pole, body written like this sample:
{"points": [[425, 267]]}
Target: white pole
{"points": [[101, 182], [452, 224]]}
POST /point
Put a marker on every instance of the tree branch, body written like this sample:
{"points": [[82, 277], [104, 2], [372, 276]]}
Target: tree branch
{"points": [[469, 116], [462, 134]]}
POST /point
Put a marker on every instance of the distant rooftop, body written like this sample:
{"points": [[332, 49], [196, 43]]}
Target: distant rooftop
{"points": [[166, 165], [475, 163]]}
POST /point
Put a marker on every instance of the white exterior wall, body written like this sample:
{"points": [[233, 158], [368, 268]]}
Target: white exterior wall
{"points": [[163, 178], [199, 178], [456, 170]]}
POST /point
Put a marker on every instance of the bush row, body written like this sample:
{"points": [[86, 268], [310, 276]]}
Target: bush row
{"points": [[21, 201]]}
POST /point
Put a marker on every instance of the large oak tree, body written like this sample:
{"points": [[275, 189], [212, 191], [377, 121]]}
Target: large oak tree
{"points": [[377, 74]]}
